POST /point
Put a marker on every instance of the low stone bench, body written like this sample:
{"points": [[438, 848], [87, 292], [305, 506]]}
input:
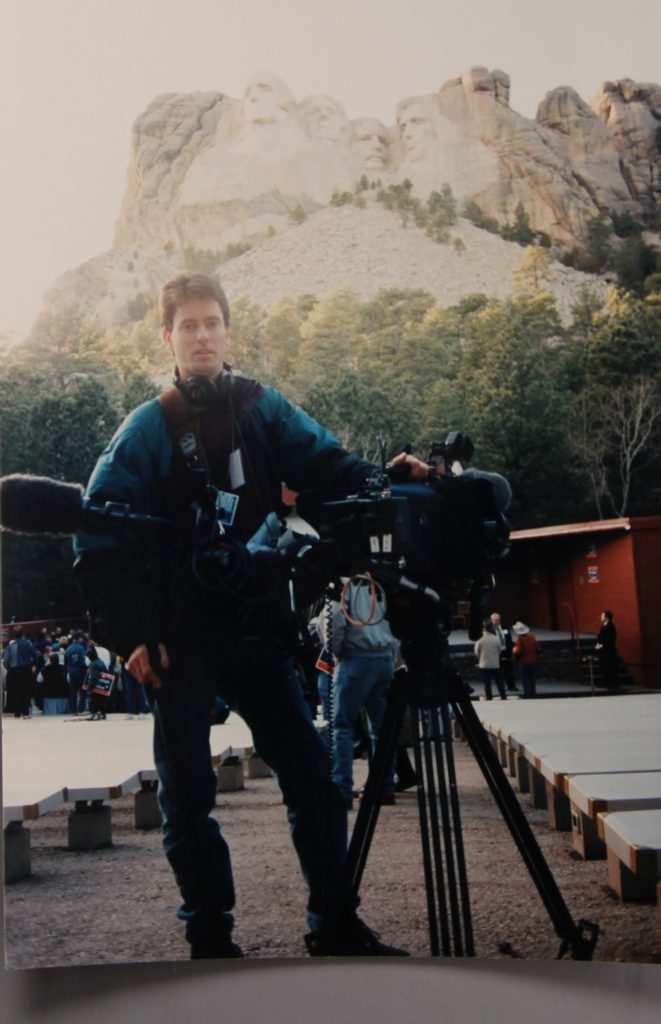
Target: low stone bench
{"points": [[90, 823], [633, 843], [592, 795], [593, 754]]}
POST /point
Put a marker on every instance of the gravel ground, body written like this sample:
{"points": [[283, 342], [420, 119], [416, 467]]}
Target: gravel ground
{"points": [[115, 905]]}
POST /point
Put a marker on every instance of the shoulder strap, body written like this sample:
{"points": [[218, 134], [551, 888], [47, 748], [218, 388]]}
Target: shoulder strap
{"points": [[182, 420]]}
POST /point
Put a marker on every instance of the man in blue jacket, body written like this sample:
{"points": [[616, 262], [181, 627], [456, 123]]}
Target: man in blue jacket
{"points": [[19, 659], [75, 663], [245, 439]]}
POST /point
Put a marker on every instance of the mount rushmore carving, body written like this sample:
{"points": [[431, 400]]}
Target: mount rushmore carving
{"points": [[207, 168], [210, 171]]}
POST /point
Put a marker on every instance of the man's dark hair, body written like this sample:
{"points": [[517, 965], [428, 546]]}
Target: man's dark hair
{"points": [[608, 614], [191, 286]]}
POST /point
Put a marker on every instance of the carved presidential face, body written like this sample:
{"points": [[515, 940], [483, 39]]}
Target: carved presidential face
{"points": [[325, 118], [368, 141], [267, 99], [417, 128]]}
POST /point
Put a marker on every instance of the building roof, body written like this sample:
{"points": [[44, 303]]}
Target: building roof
{"points": [[596, 526]]}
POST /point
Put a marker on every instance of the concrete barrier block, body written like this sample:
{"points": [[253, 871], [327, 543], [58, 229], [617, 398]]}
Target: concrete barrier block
{"points": [[558, 808], [629, 887], [584, 837], [230, 777], [90, 826], [146, 806], [258, 769], [522, 773], [17, 852], [536, 787]]}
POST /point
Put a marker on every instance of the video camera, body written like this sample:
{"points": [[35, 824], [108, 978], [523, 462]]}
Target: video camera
{"points": [[434, 538]]}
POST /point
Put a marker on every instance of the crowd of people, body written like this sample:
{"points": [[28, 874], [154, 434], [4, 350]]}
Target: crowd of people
{"points": [[502, 647], [56, 672], [499, 649]]}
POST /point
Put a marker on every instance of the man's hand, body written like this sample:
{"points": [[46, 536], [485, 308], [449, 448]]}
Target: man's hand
{"points": [[418, 470], [141, 667]]}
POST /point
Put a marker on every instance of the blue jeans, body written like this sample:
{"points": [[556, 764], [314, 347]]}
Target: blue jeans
{"points": [[361, 682], [56, 705], [134, 695], [262, 690]]}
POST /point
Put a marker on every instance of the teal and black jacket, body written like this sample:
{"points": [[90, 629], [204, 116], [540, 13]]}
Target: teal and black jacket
{"points": [[278, 443]]}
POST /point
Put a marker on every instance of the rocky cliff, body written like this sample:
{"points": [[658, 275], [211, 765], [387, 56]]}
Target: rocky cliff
{"points": [[210, 171]]}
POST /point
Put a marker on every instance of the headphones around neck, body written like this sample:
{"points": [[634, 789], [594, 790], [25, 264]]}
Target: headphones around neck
{"points": [[204, 392]]}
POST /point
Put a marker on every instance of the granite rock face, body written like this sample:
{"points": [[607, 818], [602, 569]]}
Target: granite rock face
{"points": [[166, 138], [632, 114], [209, 170]]}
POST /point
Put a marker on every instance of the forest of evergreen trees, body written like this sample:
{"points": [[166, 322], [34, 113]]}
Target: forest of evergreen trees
{"points": [[570, 414]]}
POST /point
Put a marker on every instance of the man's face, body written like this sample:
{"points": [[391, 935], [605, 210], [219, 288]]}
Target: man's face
{"points": [[369, 142], [265, 99], [325, 119], [495, 619], [198, 339], [417, 130]]}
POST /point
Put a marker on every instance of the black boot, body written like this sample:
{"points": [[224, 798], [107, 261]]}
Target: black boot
{"points": [[350, 937], [215, 949]]}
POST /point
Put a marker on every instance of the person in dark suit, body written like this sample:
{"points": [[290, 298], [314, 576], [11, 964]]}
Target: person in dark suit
{"points": [[504, 634], [606, 648]]}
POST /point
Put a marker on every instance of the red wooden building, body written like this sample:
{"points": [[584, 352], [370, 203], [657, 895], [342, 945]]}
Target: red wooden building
{"points": [[563, 577]]}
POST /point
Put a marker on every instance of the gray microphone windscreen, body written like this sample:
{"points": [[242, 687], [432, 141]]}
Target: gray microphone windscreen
{"points": [[37, 504]]}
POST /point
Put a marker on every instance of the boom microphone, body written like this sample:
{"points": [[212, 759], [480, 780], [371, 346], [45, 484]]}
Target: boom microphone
{"points": [[38, 504]]}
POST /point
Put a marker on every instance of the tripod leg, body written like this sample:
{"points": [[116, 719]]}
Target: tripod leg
{"points": [[429, 843], [439, 788], [370, 805], [445, 756], [579, 939]]}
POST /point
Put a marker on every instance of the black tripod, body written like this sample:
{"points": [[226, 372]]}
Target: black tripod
{"points": [[430, 687]]}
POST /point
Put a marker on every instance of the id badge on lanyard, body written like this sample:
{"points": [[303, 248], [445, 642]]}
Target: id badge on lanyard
{"points": [[226, 502]]}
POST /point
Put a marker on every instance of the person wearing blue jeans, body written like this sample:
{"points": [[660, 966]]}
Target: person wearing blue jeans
{"points": [[75, 663], [364, 651], [258, 685], [219, 445]]}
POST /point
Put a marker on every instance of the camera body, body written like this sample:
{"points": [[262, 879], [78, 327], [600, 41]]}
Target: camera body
{"points": [[437, 532]]}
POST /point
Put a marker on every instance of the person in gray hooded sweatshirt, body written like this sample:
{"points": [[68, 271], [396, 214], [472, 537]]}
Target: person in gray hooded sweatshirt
{"points": [[364, 649]]}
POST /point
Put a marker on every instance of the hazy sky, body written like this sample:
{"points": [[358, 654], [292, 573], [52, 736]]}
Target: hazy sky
{"points": [[74, 75]]}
